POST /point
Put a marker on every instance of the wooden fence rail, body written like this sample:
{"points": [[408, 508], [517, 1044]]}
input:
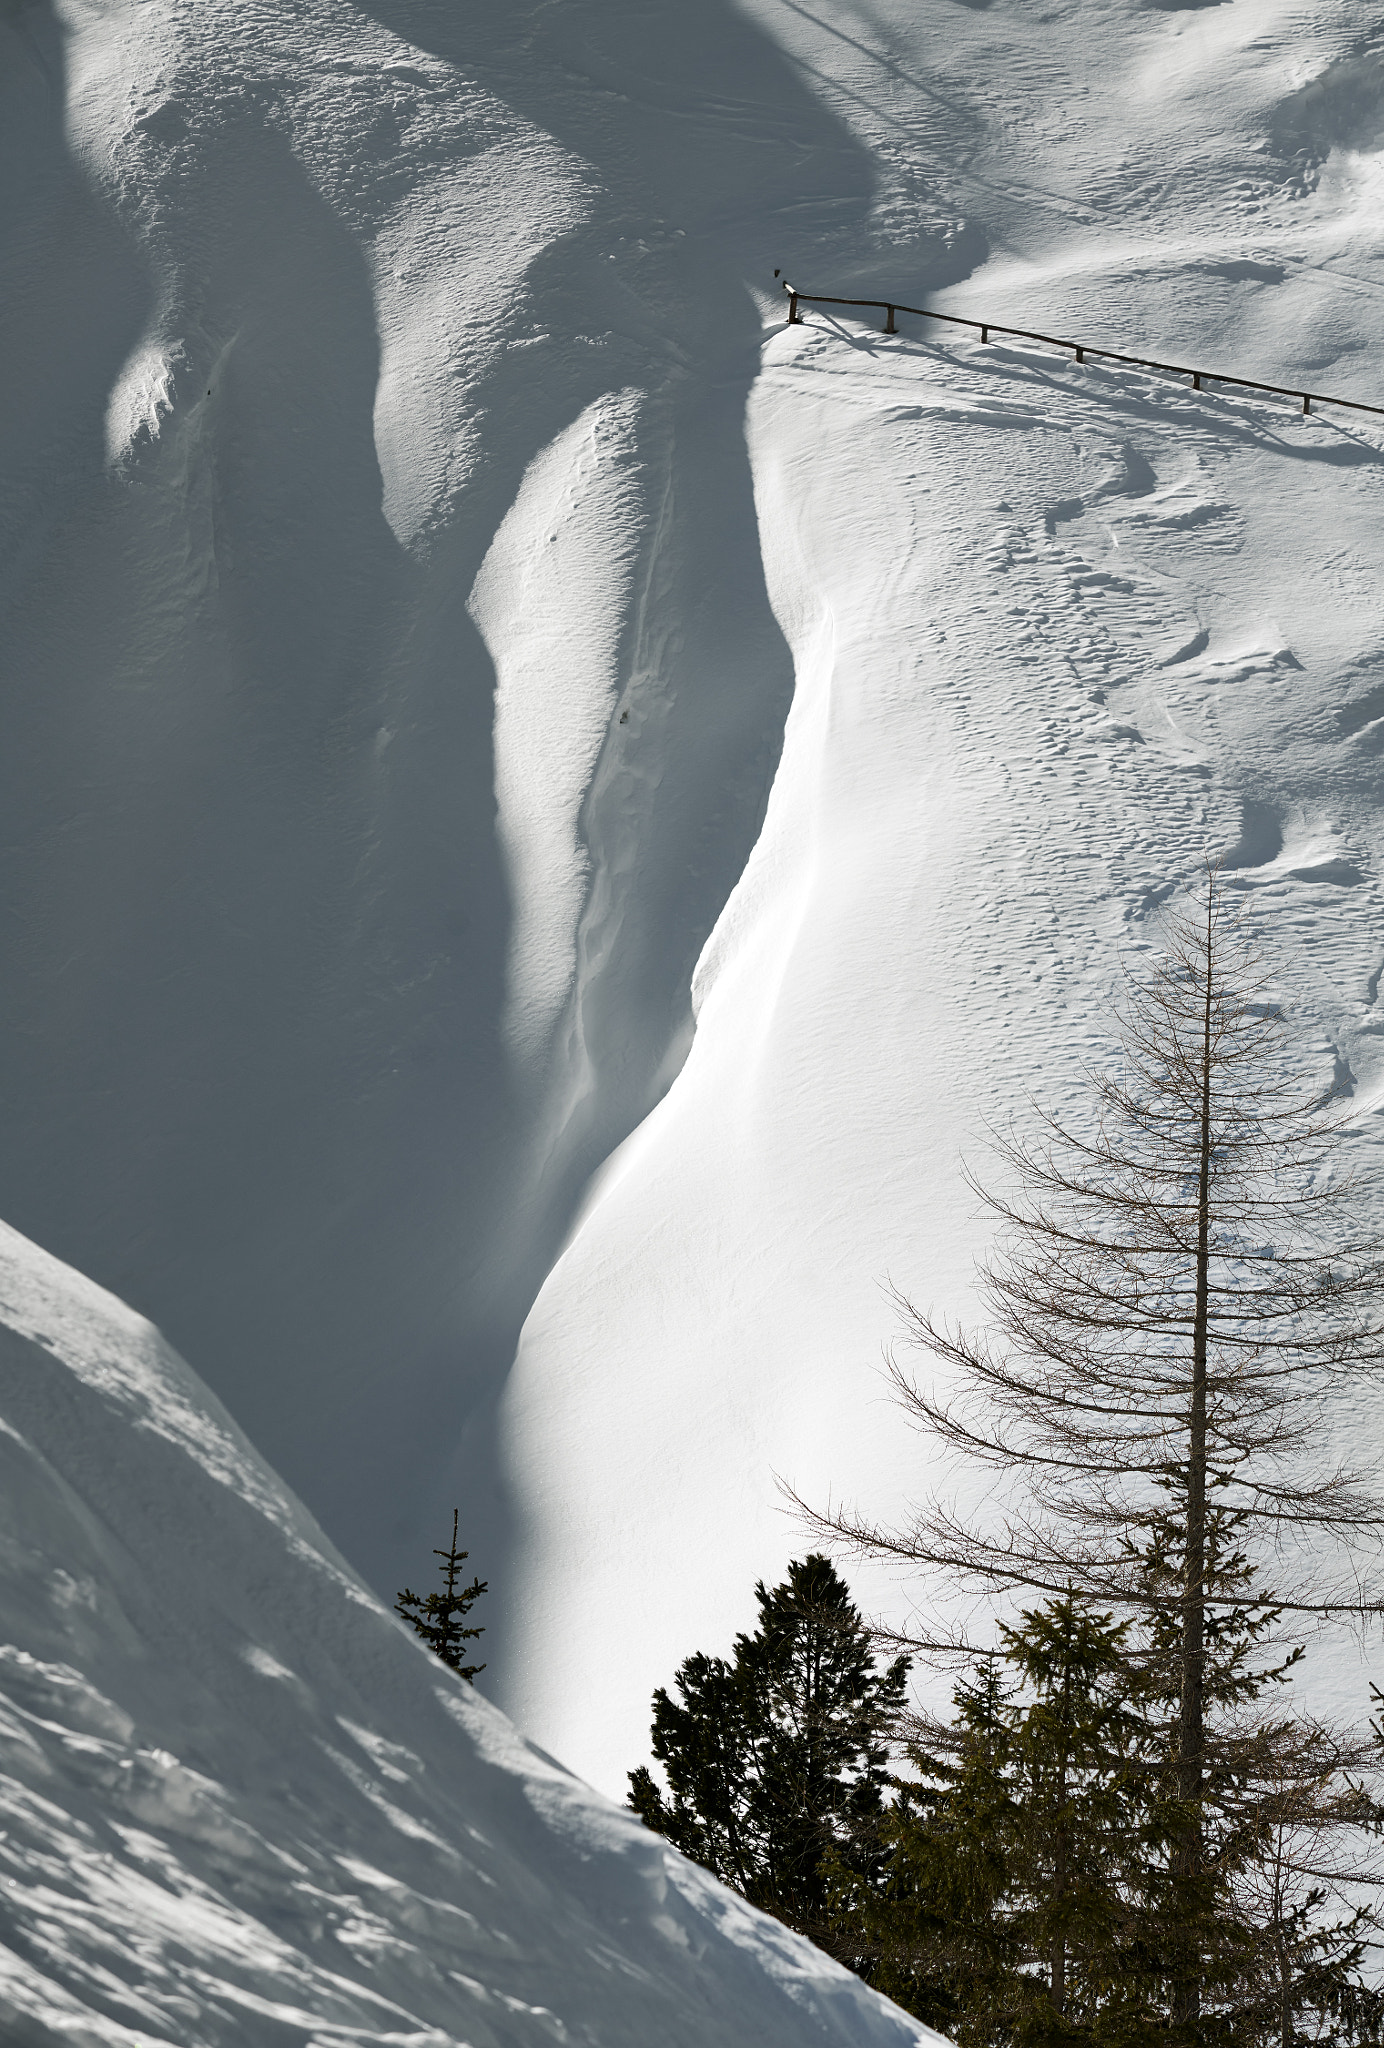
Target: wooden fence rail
{"points": [[1082, 351]]}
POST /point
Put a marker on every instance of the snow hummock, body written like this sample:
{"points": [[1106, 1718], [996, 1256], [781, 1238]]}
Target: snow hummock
{"points": [[240, 1804]]}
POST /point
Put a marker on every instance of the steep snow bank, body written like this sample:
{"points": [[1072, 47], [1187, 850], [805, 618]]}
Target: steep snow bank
{"points": [[240, 1805], [1057, 631], [360, 361]]}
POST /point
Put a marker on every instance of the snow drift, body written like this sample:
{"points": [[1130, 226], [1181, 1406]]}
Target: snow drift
{"points": [[377, 760], [238, 1804]]}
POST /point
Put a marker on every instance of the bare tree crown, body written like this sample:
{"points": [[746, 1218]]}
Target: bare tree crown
{"points": [[1201, 1217]]}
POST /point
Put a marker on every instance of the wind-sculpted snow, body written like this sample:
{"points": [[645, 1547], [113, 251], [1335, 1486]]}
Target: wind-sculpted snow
{"points": [[984, 801], [358, 370], [239, 1805], [1059, 631], [416, 524]]}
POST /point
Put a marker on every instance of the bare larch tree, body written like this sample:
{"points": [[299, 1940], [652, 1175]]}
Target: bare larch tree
{"points": [[1177, 1291]]}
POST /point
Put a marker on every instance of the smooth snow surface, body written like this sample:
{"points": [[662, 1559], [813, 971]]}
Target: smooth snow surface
{"points": [[240, 1806], [417, 525]]}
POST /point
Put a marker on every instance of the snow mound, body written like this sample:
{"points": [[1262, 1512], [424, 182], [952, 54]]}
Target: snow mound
{"points": [[239, 1804]]}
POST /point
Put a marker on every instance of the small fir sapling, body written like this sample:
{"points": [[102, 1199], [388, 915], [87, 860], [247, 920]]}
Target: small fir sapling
{"points": [[439, 1617]]}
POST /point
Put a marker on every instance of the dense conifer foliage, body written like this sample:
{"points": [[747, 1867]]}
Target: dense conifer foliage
{"points": [[1028, 1897], [439, 1618], [1014, 1880], [777, 1759], [1014, 1895]]}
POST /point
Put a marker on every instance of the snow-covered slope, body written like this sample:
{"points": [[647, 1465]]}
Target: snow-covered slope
{"points": [[416, 525], [1020, 719], [1057, 632], [240, 1805], [390, 688]]}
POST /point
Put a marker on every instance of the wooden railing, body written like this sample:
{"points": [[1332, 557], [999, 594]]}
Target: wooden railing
{"points": [[1082, 351]]}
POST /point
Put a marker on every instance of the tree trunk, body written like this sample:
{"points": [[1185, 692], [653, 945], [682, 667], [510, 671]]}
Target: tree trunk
{"points": [[1057, 1988], [1190, 1720], [1057, 1983]]}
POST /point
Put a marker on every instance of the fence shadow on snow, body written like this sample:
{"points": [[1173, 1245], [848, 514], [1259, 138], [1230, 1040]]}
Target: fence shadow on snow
{"points": [[1082, 351]]}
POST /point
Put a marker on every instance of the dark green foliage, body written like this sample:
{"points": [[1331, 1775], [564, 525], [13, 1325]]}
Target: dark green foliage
{"points": [[1015, 1904], [1025, 1885], [1031, 1895], [439, 1617], [1206, 1936], [778, 1759], [930, 1919]]}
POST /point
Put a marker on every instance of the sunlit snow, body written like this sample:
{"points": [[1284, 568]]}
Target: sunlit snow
{"points": [[544, 808], [239, 1804]]}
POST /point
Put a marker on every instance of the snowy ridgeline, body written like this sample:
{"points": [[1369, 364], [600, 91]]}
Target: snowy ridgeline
{"points": [[238, 1804]]}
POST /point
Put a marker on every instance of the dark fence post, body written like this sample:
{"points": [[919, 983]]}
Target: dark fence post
{"points": [[1306, 405], [794, 317], [984, 333], [889, 327]]}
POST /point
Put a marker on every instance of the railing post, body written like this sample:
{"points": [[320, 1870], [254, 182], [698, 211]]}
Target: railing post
{"points": [[984, 333], [1306, 405], [794, 317], [1081, 355], [1196, 380], [889, 326]]}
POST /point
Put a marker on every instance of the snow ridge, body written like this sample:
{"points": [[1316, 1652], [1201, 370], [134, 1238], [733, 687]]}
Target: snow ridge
{"points": [[239, 1805]]}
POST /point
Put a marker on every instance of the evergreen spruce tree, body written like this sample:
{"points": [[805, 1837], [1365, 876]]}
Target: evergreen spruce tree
{"points": [[1083, 1830], [1014, 1906], [439, 1618], [929, 1913], [778, 1758], [1028, 1895]]}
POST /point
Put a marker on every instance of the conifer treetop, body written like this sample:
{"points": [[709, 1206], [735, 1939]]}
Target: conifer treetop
{"points": [[439, 1618]]}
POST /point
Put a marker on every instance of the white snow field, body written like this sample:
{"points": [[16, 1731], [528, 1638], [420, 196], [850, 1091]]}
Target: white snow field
{"points": [[238, 1805], [486, 705]]}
